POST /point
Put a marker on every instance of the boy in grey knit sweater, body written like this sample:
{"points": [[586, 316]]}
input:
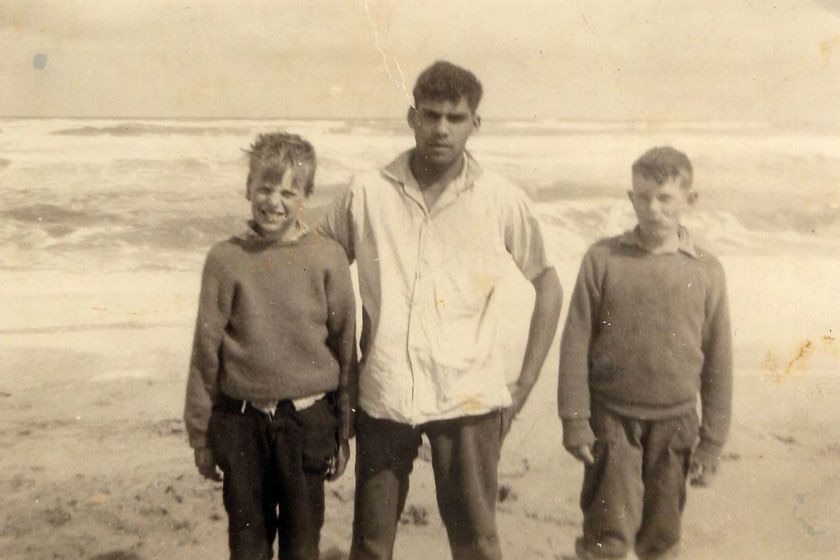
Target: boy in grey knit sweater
{"points": [[272, 374], [648, 330]]}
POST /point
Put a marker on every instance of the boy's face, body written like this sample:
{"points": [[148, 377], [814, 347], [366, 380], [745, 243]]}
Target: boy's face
{"points": [[441, 130], [659, 205], [277, 196]]}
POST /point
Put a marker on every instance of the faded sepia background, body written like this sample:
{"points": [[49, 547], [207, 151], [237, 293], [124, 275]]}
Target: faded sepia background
{"points": [[121, 130]]}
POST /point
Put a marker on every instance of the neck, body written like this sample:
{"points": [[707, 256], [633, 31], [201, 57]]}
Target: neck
{"points": [[428, 175], [292, 232], [657, 244]]}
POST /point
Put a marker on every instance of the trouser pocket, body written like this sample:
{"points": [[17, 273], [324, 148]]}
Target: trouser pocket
{"points": [[217, 438], [319, 431]]}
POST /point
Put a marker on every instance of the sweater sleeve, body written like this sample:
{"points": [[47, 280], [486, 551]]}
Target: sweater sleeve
{"points": [[341, 326], [214, 309], [573, 399], [716, 375]]}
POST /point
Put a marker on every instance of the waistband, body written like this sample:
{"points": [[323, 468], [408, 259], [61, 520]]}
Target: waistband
{"points": [[241, 406]]}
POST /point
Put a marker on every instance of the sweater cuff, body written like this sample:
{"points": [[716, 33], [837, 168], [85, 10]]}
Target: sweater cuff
{"points": [[577, 432], [707, 454]]}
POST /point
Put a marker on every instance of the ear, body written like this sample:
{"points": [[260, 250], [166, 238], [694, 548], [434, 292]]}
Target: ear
{"points": [[476, 121], [411, 116]]}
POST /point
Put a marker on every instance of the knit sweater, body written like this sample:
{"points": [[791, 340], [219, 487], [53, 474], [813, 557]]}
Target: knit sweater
{"points": [[645, 334], [276, 320]]}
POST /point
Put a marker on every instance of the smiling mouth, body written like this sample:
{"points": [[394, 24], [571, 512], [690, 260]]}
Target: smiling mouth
{"points": [[273, 216]]}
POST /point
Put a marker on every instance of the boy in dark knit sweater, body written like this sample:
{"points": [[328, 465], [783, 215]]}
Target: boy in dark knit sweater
{"points": [[648, 329], [273, 362]]}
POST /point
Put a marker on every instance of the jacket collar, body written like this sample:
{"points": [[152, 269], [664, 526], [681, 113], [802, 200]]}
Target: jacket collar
{"points": [[399, 170]]}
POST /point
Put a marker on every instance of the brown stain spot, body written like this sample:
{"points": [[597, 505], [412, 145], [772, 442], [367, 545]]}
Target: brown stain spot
{"points": [[827, 46], [486, 281], [802, 354], [799, 361], [472, 405]]}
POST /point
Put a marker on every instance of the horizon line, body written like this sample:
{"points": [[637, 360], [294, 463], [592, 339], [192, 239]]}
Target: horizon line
{"points": [[490, 119]]}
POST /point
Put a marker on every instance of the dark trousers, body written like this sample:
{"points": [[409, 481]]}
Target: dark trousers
{"points": [[634, 494], [465, 457], [274, 470]]}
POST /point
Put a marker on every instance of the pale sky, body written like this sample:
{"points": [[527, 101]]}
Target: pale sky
{"points": [[602, 59]]}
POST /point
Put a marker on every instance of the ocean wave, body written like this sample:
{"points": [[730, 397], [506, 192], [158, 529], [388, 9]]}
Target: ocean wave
{"points": [[169, 236], [571, 190], [138, 129], [136, 194], [580, 223], [147, 166], [50, 214], [558, 126]]}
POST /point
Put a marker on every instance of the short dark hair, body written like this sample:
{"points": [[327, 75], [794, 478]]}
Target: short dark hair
{"points": [[281, 151], [444, 80], [664, 162]]}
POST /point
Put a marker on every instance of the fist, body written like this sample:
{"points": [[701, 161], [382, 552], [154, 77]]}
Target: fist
{"points": [[582, 453], [339, 462], [206, 464], [700, 475]]}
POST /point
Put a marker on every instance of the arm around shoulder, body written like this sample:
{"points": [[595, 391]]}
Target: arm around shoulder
{"points": [[338, 222]]}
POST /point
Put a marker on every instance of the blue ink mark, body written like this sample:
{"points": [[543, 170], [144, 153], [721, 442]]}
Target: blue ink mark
{"points": [[810, 530], [39, 61]]}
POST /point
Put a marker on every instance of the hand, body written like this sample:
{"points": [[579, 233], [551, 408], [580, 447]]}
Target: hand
{"points": [[339, 462], [507, 420], [699, 475], [582, 453], [206, 464], [518, 396]]}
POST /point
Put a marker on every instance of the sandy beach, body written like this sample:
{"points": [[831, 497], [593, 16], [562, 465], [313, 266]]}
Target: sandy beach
{"points": [[125, 130], [96, 466]]}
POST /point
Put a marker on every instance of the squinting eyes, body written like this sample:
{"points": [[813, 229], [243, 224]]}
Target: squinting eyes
{"points": [[267, 191], [449, 118], [282, 188], [651, 199]]}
